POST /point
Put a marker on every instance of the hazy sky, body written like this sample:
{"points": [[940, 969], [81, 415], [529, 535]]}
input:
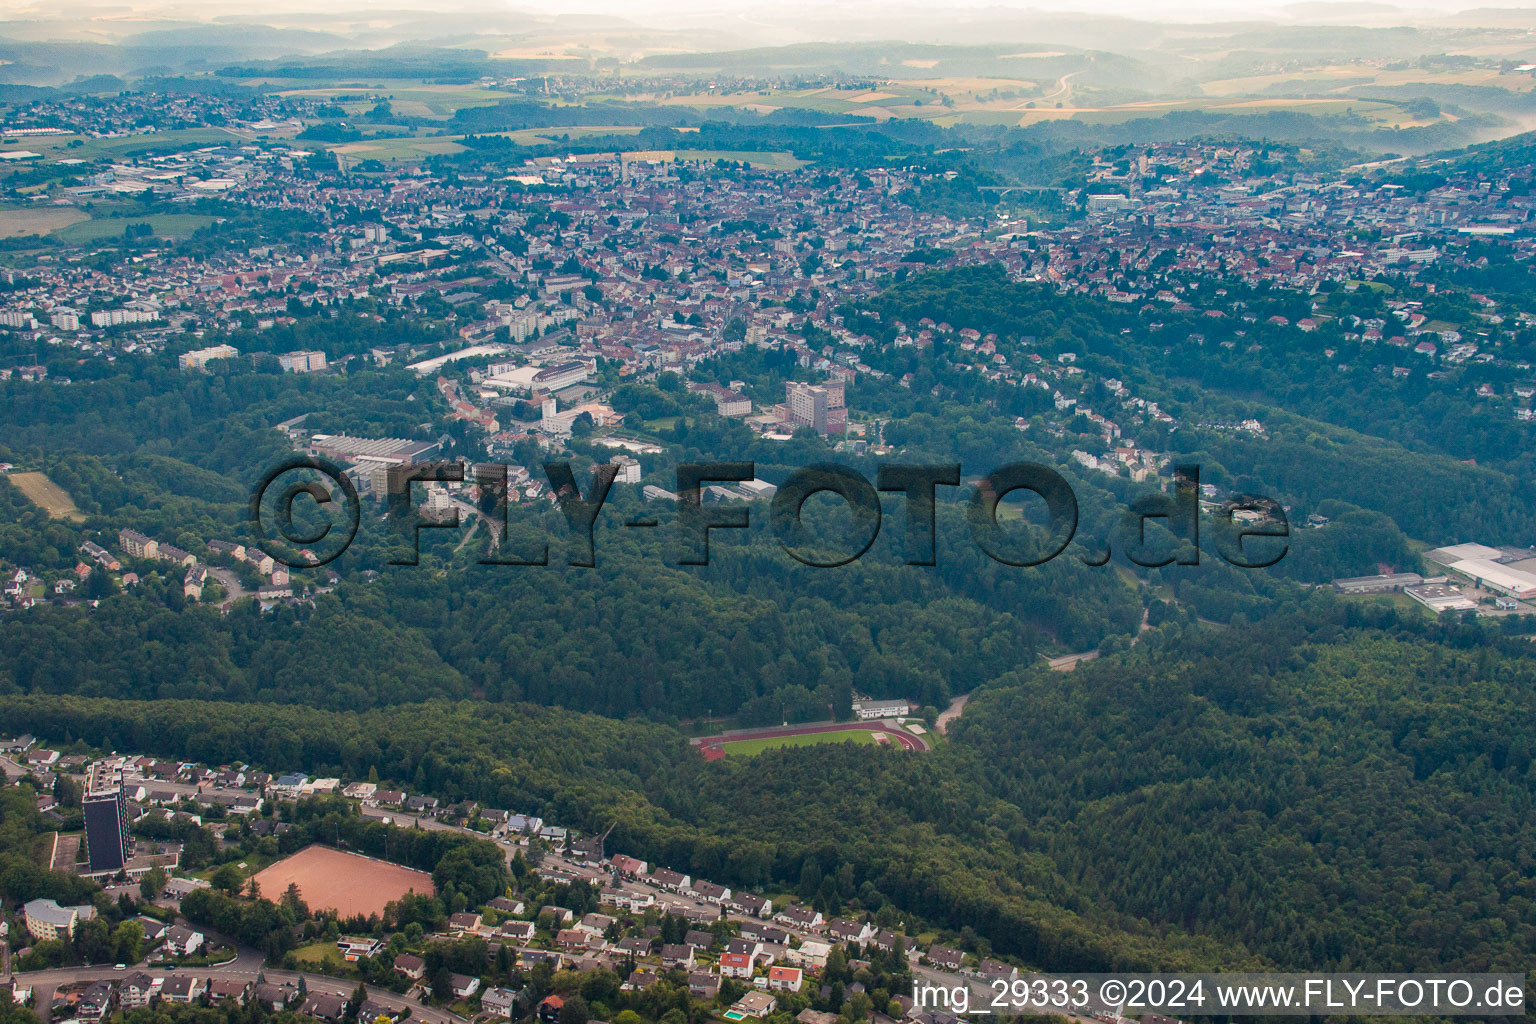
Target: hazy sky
{"points": [[1329, 10], [1353, 11]]}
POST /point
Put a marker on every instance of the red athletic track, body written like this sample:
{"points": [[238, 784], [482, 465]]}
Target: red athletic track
{"points": [[712, 749]]}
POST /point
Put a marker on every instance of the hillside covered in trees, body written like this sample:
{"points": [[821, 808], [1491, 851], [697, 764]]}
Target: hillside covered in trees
{"points": [[1271, 793]]}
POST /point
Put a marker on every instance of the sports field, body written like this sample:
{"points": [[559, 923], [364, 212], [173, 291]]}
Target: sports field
{"points": [[345, 882], [47, 495], [759, 744], [746, 742]]}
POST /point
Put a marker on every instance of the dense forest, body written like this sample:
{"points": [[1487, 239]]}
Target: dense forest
{"points": [[1286, 792]]}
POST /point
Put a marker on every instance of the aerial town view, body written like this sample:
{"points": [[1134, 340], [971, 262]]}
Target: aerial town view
{"points": [[666, 514]]}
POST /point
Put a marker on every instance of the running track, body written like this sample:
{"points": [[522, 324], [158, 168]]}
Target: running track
{"points": [[712, 746]]}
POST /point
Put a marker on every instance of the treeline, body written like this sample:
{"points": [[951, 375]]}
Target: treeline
{"points": [[755, 633]]}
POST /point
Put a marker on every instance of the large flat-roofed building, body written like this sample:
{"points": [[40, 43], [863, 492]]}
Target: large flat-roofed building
{"points": [[199, 358], [818, 406], [1440, 597], [106, 818], [1504, 579], [528, 379], [302, 362], [45, 919], [1507, 571], [392, 450], [727, 402], [1461, 552], [1377, 584]]}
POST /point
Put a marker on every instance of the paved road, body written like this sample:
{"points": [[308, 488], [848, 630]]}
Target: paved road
{"points": [[244, 968]]}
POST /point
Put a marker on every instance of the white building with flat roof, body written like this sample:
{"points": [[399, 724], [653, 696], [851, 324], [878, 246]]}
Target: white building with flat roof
{"points": [[1506, 580]]}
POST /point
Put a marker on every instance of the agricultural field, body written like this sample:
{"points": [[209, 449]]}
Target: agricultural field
{"points": [[412, 99], [166, 225], [58, 147], [394, 150], [16, 223], [47, 495]]}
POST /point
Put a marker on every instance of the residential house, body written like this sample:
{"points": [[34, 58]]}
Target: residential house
{"points": [[596, 924], [677, 955], [324, 1007], [560, 915], [500, 1001], [288, 787], [354, 949], [234, 989], [943, 956], [97, 1001], [811, 954], [413, 967], [180, 941], [784, 979], [516, 931], [844, 930], [748, 947], [755, 1004], [629, 867], [666, 878], [613, 896], [531, 958], [802, 918], [138, 990], [736, 965], [764, 932], [463, 986], [750, 903], [274, 997], [549, 1009], [182, 988], [634, 945], [703, 985]]}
